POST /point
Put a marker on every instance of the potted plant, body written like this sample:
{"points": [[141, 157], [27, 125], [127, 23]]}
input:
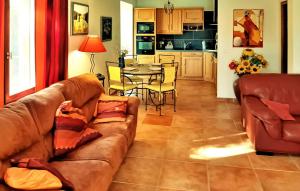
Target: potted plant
{"points": [[249, 63]]}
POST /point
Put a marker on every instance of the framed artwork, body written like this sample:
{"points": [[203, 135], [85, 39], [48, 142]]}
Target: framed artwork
{"points": [[106, 28], [248, 28], [80, 19]]}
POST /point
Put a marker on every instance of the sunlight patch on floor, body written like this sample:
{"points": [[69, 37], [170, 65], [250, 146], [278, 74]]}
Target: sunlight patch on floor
{"points": [[214, 152]]}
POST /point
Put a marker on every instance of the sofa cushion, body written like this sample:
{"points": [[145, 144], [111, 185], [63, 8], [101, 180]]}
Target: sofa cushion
{"points": [[291, 130], [280, 109], [18, 129], [111, 149], [42, 106], [126, 128], [91, 175], [81, 90], [276, 87]]}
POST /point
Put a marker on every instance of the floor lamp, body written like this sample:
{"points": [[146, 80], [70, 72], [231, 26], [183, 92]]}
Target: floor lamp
{"points": [[92, 44]]}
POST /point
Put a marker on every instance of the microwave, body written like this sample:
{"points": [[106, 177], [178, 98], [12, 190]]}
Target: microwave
{"points": [[145, 45], [145, 28]]}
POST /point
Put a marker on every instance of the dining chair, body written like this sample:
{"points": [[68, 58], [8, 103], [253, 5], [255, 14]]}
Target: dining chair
{"points": [[117, 81], [166, 84], [139, 81]]}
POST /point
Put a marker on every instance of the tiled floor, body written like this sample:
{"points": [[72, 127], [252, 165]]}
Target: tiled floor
{"points": [[201, 147]]}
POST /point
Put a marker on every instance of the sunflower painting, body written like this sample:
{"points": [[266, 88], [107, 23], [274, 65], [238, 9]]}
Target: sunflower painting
{"points": [[248, 27]]}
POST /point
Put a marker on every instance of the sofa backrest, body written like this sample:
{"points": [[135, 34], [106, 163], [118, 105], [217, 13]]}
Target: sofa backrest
{"points": [[281, 88], [83, 90]]}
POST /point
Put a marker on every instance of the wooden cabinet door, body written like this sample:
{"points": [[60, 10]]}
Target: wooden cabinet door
{"points": [[192, 67], [208, 67], [176, 22], [144, 15], [162, 22], [192, 15]]}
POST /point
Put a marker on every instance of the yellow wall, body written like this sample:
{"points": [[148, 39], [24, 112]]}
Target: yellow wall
{"points": [[79, 62], [293, 36], [207, 4], [226, 52]]}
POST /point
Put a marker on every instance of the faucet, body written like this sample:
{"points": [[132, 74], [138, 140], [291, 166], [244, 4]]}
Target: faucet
{"points": [[185, 45]]}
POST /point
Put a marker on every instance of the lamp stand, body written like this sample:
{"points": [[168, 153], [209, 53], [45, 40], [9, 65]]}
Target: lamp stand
{"points": [[92, 59]]}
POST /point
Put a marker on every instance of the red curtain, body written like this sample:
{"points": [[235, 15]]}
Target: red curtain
{"points": [[56, 41]]}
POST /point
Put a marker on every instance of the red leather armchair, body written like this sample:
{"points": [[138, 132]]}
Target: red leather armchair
{"points": [[264, 128]]}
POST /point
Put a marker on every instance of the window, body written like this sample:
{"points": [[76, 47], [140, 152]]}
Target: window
{"points": [[126, 26], [20, 48]]}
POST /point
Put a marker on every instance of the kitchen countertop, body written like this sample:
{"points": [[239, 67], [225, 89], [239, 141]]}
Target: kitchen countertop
{"points": [[176, 50]]}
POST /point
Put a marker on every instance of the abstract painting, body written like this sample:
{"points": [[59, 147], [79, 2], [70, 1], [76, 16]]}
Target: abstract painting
{"points": [[106, 28], [248, 28]]}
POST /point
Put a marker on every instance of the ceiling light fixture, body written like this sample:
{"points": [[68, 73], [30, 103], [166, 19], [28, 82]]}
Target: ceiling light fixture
{"points": [[169, 7]]}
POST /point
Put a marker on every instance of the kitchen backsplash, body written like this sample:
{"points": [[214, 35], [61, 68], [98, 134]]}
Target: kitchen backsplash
{"points": [[193, 37]]}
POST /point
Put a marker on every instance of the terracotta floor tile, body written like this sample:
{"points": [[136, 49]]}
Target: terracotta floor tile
{"points": [[153, 132], [163, 189], [129, 187], [186, 134], [215, 127], [184, 176], [276, 162], [148, 148], [139, 171], [155, 119], [231, 178], [279, 181]]}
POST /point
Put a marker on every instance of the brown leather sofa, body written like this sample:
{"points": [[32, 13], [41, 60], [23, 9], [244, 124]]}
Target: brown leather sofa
{"points": [[266, 130], [26, 131]]}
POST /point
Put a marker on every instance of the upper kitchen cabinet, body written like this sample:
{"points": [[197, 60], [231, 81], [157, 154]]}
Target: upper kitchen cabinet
{"points": [[193, 15], [168, 23], [144, 14]]}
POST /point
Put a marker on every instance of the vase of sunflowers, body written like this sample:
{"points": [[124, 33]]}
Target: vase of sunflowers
{"points": [[249, 63]]}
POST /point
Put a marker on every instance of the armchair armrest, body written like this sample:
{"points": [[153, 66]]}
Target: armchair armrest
{"points": [[270, 120], [133, 106]]}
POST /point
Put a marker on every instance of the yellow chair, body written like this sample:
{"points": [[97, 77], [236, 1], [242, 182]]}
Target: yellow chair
{"points": [[132, 60], [166, 84], [117, 81]]}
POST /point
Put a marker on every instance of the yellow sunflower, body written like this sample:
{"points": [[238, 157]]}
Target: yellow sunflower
{"points": [[260, 57], [240, 69], [248, 52], [254, 69], [246, 63]]}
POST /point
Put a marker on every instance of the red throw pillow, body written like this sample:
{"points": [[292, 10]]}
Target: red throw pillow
{"points": [[280, 109], [71, 129], [111, 109]]}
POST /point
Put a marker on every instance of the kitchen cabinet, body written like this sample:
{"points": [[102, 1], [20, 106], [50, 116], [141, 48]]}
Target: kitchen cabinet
{"points": [[144, 14], [192, 65], [168, 57], [193, 15], [169, 23], [146, 59], [208, 67]]}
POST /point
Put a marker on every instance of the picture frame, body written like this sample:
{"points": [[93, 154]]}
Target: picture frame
{"points": [[80, 19], [106, 28], [248, 28]]}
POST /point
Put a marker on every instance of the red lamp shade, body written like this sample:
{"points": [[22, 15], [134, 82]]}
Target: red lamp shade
{"points": [[92, 44]]}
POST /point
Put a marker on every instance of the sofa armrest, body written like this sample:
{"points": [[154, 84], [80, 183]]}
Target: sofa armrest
{"points": [[270, 120], [133, 105]]}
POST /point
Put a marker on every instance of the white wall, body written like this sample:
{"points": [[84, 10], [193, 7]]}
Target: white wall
{"points": [[207, 4], [226, 52], [293, 36]]}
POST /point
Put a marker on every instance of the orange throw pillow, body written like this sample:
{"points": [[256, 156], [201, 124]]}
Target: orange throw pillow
{"points": [[111, 109], [71, 129], [280, 109], [31, 179]]}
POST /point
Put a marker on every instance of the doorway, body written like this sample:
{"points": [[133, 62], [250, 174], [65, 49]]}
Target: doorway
{"points": [[284, 37]]}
